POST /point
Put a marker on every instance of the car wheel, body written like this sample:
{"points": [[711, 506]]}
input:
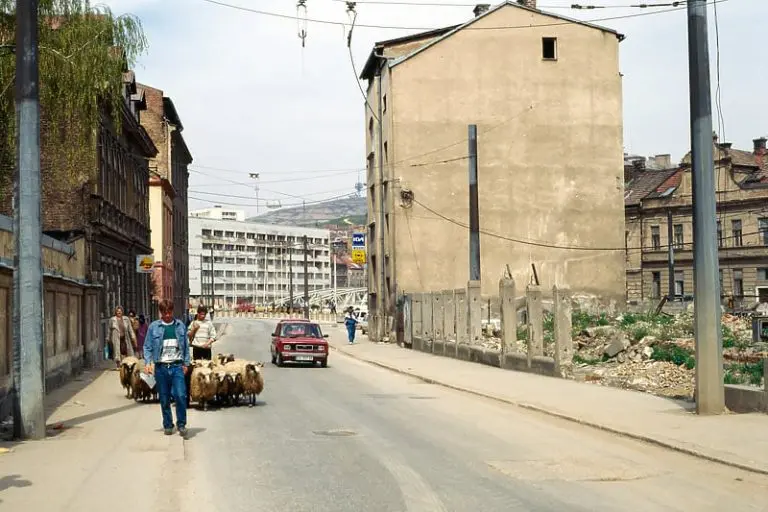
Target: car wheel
{"points": [[279, 360], [324, 363], [274, 360]]}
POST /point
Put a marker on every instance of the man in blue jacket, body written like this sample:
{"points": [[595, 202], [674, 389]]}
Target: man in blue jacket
{"points": [[166, 354]]}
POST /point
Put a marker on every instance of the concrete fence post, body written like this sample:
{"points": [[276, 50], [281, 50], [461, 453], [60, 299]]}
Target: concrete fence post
{"points": [[474, 314], [765, 373], [427, 321], [562, 326], [535, 322], [437, 314], [462, 335], [508, 317], [449, 316]]}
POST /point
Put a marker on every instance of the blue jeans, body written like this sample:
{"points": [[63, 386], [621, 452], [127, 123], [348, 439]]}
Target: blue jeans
{"points": [[170, 382], [351, 332]]}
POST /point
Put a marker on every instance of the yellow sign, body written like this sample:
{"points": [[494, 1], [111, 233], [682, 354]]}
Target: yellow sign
{"points": [[145, 263], [358, 256]]}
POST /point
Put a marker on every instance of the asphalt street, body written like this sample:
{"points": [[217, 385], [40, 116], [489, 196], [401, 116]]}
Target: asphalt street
{"points": [[354, 438]]}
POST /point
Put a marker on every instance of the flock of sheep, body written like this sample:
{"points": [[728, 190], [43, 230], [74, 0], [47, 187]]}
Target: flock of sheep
{"points": [[223, 380]]}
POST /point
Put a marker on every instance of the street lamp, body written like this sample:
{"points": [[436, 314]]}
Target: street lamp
{"points": [[255, 176]]}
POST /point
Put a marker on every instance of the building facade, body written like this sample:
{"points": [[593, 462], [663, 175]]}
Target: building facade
{"points": [[659, 213], [236, 261], [219, 213], [107, 207], [168, 204], [550, 157]]}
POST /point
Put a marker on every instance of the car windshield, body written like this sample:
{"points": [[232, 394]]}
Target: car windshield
{"points": [[301, 330]]}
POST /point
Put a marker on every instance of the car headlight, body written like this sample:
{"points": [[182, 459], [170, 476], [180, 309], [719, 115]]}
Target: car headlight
{"points": [[320, 348], [286, 347]]}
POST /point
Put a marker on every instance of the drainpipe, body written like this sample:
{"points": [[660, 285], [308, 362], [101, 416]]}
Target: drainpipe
{"points": [[381, 298]]}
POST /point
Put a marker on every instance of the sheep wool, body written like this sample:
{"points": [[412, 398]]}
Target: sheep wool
{"points": [[141, 391], [250, 375], [203, 386], [126, 373]]}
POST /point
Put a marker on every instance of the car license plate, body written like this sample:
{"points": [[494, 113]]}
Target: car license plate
{"points": [[304, 358]]}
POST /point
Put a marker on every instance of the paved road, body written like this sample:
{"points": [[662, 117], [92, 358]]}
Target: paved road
{"points": [[356, 438]]}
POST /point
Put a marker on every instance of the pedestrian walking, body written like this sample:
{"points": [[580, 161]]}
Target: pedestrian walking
{"points": [[166, 351], [350, 321], [202, 335], [141, 334], [121, 336]]}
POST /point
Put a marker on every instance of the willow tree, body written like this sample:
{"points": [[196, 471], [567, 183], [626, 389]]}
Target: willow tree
{"points": [[84, 51]]}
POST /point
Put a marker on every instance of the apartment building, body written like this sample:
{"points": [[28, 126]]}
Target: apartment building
{"points": [[659, 213], [549, 156], [236, 261]]}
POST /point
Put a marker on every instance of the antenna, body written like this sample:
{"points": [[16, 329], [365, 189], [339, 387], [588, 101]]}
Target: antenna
{"points": [[301, 16]]}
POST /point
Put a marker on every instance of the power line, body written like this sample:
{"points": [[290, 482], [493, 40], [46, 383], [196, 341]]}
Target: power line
{"points": [[303, 203], [260, 200], [395, 27], [246, 184], [396, 3], [293, 171]]}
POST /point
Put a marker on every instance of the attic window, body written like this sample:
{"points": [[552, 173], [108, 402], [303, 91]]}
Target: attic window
{"points": [[549, 48]]}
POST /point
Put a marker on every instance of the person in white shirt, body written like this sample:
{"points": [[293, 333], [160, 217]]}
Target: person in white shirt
{"points": [[202, 335]]}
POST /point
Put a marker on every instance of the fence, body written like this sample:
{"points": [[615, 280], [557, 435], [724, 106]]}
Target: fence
{"points": [[276, 315], [450, 323]]}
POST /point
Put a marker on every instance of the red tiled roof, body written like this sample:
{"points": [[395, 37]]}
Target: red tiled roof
{"points": [[648, 182]]}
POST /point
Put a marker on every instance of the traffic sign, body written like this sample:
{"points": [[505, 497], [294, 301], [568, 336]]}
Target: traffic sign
{"points": [[358, 240], [358, 256]]}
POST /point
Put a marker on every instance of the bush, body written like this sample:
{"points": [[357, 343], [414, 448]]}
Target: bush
{"points": [[638, 333], [744, 373], [522, 332], [673, 354], [729, 339]]}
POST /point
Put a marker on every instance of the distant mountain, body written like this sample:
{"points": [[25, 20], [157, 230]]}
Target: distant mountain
{"points": [[349, 210]]}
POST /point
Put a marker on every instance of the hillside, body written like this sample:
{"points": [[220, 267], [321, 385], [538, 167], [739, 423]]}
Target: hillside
{"points": [[349, 210]]}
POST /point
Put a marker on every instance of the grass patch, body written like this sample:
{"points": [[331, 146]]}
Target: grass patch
{"points": [[522, 333], [638, 333], [578, 359], [582, 321], [674, 354], [744, 373], [729, 339]]}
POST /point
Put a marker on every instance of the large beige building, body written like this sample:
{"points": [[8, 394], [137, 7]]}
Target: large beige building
{"points": [[545, 93]]}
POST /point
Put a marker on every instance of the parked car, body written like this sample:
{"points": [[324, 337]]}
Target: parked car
{"points": [[298, 341]]}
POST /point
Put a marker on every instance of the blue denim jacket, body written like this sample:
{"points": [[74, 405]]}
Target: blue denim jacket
{"points": [[153, 343]]}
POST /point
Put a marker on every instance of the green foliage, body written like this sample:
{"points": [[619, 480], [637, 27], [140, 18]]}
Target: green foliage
{"points": [[744, 373], [522, 332], [729, 340], [673, 354], [581, 320], [83, 54], [579, 359], [640, 332]]}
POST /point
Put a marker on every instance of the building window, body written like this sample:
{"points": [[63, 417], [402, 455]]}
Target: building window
{"points": [[679, 283], [230, 234], [720, 272], [206, 232], [218, 233], [655, 238], [656, 285], [738, 283], [549, 48], [762, 274], [719, 234], [679, 238], [762, 227], [738, 241]]}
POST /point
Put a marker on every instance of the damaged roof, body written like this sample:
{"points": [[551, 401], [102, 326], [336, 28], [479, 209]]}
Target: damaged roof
{"points": [[650, 183]]}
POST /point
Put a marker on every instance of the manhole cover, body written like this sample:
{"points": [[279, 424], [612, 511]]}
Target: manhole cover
{"points": [[335, 433], [422, 397]]}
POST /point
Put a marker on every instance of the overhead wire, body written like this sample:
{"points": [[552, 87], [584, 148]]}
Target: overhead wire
{"points": [[396, 27], [563, 7]]}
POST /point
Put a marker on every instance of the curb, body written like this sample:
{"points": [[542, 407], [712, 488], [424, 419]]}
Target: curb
{"points": [[542, 410]]}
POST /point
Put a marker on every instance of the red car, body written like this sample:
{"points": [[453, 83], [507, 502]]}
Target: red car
{"points": [[298, 341]]}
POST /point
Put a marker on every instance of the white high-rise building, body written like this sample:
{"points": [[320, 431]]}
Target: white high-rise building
{"points": [[251, 262], [219, 213]]}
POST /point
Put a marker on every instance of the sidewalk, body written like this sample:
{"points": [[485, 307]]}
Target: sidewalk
{"points": [[737, 440], [103, 451]]}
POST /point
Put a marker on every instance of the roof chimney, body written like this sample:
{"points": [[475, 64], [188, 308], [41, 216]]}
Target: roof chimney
{"points": [[481, 9], [531, 4], [664, 161], [759, 146]]}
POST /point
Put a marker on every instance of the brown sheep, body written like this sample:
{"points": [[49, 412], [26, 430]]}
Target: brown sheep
{"points": [[126, 374], [202, 363], [202, 386], [224, 384], [222, 359], [250, 374], [141, 391], [237, 387]]}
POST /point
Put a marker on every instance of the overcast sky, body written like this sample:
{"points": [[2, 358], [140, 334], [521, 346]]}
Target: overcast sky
{"points": [[253, 100]]}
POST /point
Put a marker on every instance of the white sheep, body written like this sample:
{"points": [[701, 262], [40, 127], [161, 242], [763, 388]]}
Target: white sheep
{"points": [[202, 386], [126, 374]]}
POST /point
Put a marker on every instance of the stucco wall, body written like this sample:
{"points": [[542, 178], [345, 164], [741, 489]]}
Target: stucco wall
{"points": [[550, 156]]}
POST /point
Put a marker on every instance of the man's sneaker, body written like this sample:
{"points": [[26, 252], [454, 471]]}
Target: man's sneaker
{"points": [[168, 431], [183, 432]]}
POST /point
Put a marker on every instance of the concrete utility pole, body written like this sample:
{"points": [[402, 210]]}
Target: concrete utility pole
{"points": [[710, 394], [306, 280], [290, 280], [474, 213], [670, 256], [202, 287], [213, 288], [29, 380]]}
